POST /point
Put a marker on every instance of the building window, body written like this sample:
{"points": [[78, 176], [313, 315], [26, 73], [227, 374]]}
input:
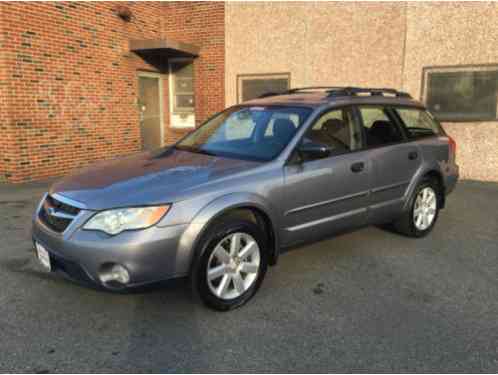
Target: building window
{"points": [[251, 86], [182, 88], [461, 93]]}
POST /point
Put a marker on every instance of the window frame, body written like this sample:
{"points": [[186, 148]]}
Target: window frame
{"points": [[242, 77], [293, 154], [393, 117], [257, 133], [160, 78], [172, 86], [358, 120], [424, 87], [405, 127]]}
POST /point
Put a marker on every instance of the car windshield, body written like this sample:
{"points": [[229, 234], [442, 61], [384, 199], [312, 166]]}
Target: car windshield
{"points": [[252, 133]]}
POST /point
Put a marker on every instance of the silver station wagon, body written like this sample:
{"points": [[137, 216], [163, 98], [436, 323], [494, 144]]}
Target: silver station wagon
{"points": [[221, 204]]}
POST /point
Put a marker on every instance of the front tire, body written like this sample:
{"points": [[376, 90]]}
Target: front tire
{"points": [[419, 220], [232, 265]]}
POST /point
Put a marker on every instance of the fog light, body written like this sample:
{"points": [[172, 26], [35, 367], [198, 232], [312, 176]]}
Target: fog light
{"points": [[116, 273]]}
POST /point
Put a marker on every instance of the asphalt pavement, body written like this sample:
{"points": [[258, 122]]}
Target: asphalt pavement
{"points": [[364, 301]]}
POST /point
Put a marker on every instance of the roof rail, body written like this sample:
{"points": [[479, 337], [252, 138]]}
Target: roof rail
{"points": [[342, 91], [267, 94], [356, 91], [297, 90], [311, 88]]}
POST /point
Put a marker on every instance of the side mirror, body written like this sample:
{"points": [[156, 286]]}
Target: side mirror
{"points": [[312, 150]]}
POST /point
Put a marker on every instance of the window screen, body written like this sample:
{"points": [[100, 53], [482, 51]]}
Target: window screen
{"points": [[251, 87], [462, 95]]}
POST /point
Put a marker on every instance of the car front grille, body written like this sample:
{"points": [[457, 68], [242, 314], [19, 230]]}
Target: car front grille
{"points": [[57, 215]]}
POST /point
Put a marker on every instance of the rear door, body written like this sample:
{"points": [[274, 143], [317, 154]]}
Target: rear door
{"points": [[329, 194], [394, 160]]}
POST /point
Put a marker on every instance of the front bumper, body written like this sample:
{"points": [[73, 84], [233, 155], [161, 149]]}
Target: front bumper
{"points": [[150, 255]]}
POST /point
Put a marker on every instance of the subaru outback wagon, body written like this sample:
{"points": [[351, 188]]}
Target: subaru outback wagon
{"points": [[222, 203]]}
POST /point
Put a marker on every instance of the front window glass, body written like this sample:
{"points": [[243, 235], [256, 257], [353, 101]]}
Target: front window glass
{"points": [[292, 117], [337, 130], [252, 133]]}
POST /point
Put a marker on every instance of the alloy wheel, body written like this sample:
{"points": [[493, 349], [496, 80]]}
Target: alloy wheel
{"points": [[424, 210], [233, 265]]}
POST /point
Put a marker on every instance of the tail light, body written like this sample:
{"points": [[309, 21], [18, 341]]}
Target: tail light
{"points": [[452, 147]]}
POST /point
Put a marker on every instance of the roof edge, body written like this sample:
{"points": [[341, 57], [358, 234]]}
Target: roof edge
{"points": [[143, 45]]}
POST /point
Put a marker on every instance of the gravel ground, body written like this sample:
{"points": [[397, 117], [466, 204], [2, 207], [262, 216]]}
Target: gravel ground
{"points": [[364, 301]]}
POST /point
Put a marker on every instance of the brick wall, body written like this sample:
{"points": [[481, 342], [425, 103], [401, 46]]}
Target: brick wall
{"points": [[202, 24], [6, 145], [72, 84]]}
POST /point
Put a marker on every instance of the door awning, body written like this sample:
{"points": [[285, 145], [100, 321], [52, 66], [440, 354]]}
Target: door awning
{"points": [[163, 48]]}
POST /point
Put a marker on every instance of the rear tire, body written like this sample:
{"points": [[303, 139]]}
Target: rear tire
{"points": [[423, 211], [232, 264]]}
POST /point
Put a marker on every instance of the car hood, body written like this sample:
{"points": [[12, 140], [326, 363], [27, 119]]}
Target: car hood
{"points": [[147, 178]]}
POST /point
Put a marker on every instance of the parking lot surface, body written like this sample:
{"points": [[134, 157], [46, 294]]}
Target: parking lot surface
{"points": [[364, 301]]}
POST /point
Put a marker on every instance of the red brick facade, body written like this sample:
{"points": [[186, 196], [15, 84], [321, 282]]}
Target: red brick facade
{"points": [[202, 25], [68, 84]]}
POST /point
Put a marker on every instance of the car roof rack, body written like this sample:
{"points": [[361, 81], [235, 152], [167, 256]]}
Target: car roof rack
{"points": [[267, 94], [298, 90], [313, 88], [333, 91], [360, 91]]}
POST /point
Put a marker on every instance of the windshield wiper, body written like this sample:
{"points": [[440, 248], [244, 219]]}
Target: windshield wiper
{"points": [[195, 150], [201, 151]]}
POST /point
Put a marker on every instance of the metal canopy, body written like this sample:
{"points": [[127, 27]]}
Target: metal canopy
{"points": [[163, 48]]}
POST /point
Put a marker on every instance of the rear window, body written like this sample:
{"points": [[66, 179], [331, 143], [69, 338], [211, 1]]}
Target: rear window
{"points": [[418, 123]]}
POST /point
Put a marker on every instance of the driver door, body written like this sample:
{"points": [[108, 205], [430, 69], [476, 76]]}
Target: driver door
{"points": [[327, 194]]}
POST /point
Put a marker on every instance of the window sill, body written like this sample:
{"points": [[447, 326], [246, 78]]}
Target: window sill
{"points": [[181, 127]]}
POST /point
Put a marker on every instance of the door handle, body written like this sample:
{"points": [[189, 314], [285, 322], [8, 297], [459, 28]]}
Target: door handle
{"points": [[413, 155], [357, 167]]}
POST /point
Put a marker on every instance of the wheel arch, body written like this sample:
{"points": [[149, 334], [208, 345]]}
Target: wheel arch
{"points": [[429, 172], [239, 205], [437, 175]]}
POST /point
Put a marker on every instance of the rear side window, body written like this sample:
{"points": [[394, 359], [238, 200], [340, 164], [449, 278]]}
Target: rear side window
{"points": [[418, 123], [380, 126]]}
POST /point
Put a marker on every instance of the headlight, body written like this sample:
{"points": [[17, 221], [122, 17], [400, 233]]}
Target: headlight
{"points": [[121, 219]]}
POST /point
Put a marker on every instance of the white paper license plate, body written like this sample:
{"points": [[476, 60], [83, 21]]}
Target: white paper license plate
{"points": [[43, 256]]}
